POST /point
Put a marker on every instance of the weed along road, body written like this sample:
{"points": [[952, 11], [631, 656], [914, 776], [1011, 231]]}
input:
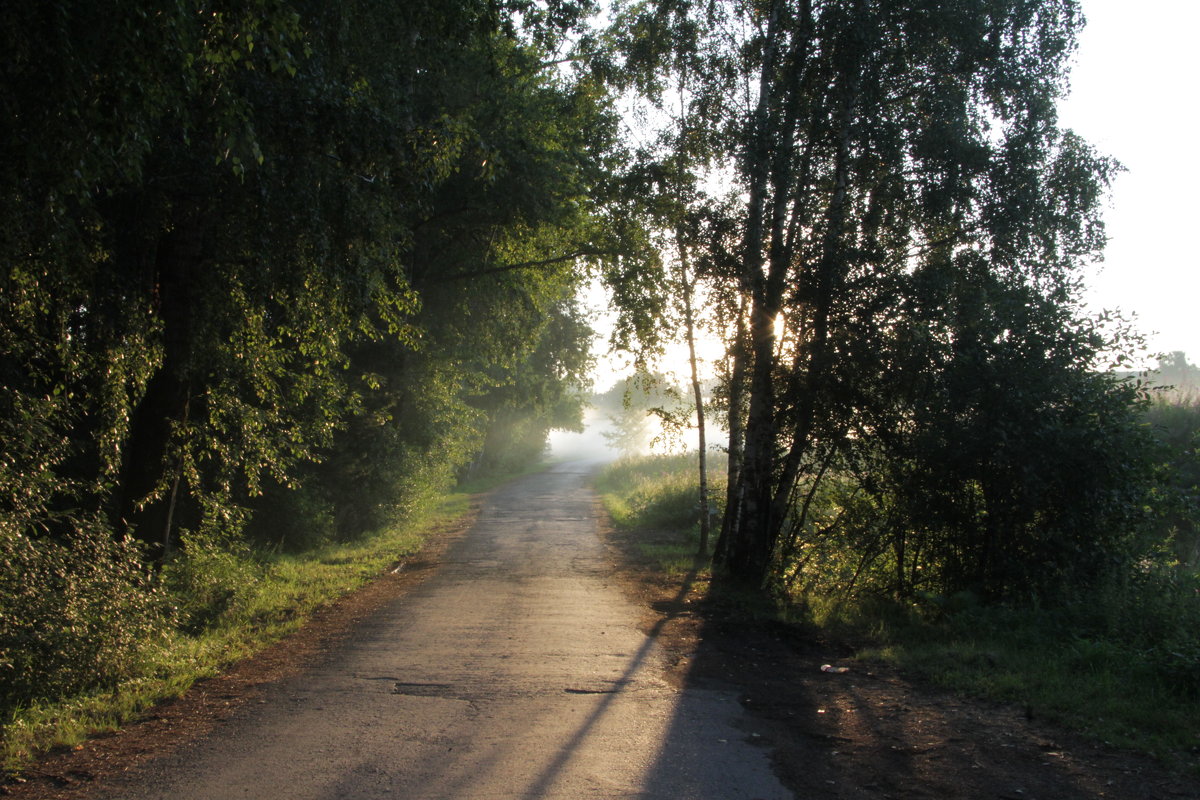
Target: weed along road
{"points": [[517, 670]]}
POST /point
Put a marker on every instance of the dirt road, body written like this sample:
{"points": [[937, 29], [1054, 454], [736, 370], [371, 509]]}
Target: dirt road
{"points": [[518, 670]]}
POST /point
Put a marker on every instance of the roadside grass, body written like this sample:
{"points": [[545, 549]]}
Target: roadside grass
{"points": [[656, 498], [1120, 665], [1105, 699], [267, 596], [1133, 686]]}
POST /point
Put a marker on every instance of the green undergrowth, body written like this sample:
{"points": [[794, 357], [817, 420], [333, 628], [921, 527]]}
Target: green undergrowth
{"points": [[237, 603], [1119, 663], [656, 497]]}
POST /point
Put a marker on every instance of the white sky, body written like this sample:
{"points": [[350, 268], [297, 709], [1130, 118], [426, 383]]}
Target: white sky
{"points": [[1134, 96]]}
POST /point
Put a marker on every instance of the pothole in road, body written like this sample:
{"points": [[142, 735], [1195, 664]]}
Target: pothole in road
{"points": [[447, 691], [422, 689], [612, 687]]}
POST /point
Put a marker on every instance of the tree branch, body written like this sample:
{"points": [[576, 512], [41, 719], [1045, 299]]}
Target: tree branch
{"points": [[545, 262]]}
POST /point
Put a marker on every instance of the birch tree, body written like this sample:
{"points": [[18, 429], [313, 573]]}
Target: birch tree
{"points": [[877, 145]]}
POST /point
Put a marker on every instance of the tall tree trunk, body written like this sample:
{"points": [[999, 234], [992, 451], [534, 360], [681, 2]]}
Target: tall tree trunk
{"points": [[751, 546], [146, 508], [772, 172], [827, 278], [736, 425], [687, 287], [737, 559]]}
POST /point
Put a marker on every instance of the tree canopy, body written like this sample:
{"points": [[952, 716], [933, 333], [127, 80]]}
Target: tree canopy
{"points": [[900, 249], [290, 265]]}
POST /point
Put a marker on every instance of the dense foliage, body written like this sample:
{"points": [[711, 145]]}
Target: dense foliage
{"points": [[278, 270], [1119, 662], [895, 270]]}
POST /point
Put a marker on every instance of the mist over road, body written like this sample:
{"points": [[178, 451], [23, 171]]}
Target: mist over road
{"points": [[516, 671]]}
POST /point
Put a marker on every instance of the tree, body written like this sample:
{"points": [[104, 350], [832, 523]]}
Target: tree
{"points": [[280, 254], [1175, 372], [878, 145], [1009, 468], [285, 190], [627, 405]]}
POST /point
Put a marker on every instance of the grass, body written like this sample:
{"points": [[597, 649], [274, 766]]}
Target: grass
{"points": [[1120, 664], [1113, 686], [656, 496], [283, 592]]}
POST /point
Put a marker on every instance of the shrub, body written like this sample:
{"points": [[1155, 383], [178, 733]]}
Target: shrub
{"points": [[1175, 420], [74, 615], [209, 576]]}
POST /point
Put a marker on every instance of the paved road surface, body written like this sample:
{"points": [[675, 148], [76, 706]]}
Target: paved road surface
{"points": [[516, 671]]}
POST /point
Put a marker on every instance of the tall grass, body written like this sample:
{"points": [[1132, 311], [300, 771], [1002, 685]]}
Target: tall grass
{"points": [[657, 497]]}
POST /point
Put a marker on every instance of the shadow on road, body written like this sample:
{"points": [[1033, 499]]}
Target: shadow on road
{"points": [[541, 786]]}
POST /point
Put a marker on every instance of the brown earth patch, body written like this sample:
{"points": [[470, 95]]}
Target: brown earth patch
{"points": [[871, 731]]}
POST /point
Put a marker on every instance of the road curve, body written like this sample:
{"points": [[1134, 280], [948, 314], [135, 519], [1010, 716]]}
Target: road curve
{"points": [[516, 671]]}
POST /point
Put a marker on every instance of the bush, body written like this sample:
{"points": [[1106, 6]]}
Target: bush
{"points": [[292, 519], [74, 615], [1175, 420], [209, 576]]}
